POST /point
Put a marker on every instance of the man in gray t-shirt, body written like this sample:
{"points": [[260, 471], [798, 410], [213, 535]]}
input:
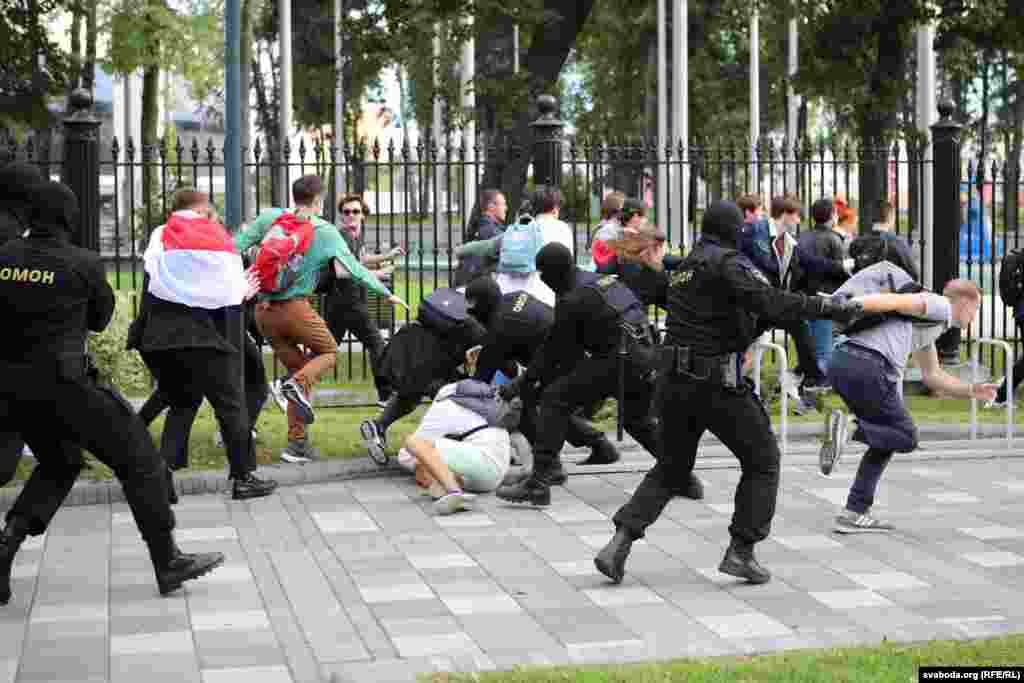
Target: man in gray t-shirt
{"points": [[867, 372]]}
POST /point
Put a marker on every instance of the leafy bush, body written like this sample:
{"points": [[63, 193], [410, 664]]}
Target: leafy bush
{"points": [[125, 368]]}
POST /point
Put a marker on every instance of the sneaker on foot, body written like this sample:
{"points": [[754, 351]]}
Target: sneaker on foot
{"points": [[849, 522], [837, 432], [299, 452], [373, 439], [296, 395], [453, 502], [278, 395]]}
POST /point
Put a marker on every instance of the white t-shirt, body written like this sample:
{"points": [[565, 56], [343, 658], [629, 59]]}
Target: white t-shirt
{"points": [[448, 417], [555, 230]]}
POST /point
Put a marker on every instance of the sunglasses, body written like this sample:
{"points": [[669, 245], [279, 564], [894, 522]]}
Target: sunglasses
{"points": [[352, 212]]}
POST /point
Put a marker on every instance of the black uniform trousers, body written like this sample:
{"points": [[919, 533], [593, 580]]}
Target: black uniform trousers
{"points": [[688, 408], [593, 379], [11, 446], [344, 316], [186, 376], [51, 414]]}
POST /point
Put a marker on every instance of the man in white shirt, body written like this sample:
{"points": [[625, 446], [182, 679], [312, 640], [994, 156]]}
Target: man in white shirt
{"points": [[547, 205]]}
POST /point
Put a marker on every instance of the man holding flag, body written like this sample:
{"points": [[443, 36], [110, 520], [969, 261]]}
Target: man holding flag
{"points": [[191, 333]]}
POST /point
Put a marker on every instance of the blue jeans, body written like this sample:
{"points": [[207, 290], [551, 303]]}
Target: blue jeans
{"points": [[821, 333]]}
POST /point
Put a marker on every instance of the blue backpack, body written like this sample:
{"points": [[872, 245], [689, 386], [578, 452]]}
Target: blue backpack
{"points": [[519, 247]]}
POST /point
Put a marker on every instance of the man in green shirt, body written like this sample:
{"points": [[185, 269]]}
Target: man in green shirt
{"points": [[286, 318]]}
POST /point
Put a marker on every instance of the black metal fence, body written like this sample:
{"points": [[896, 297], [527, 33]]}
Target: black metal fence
{"points": [[421, 196]]}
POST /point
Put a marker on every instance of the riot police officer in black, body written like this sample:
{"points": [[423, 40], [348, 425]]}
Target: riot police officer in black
{"points": [[598, 316], [516, 327], [715, 300], [51, 295]]}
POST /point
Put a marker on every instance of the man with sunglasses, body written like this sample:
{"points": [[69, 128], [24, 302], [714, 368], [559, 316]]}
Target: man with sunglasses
{"points": [[346, 302]]}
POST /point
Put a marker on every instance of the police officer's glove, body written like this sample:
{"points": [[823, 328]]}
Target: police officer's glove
{"points": [[843, 311], [509, 391]]}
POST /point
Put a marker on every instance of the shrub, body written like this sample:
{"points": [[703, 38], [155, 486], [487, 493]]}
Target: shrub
{"points": [[125, 368]]}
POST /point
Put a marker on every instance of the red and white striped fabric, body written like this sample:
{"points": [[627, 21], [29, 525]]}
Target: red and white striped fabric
{"points": [[192, 261]]}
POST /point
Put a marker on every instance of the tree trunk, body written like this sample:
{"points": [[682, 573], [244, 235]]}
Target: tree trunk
{"points": [[89, 68], [878, 123], [150, 113], [543, 62]]}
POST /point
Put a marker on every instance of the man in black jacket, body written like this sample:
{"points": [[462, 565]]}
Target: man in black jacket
{"points": [[15, 180], [196, 352], [600, 338], [51, 295], [825, 243], [714, 300]]}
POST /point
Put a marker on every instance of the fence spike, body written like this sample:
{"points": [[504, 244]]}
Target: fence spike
{"points": [[211, 151], [115, 149], [129, 150], [257, 151]]}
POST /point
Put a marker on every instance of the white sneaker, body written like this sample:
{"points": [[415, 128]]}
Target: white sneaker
{"points": [[26, 452], [449, 504]]}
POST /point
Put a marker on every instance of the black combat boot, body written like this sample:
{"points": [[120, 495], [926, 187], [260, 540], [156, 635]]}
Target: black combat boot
{"points": [[11, 539], [602, 453], [534, 489], [611, 561], [739, 561], [173, 567], [251, 486], [693, 488]]}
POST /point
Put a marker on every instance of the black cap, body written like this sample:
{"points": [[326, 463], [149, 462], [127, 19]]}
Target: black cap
{"points": [[723, 219]]}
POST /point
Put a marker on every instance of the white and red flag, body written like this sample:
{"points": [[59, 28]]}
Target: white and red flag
{"points": [[192, 261]]}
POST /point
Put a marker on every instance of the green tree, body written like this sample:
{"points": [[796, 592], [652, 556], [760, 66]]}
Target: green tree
{"points": [[32, 66]]}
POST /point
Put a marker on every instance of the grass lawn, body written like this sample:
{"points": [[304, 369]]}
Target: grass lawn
{"points": [[335, 433], [884, 663]]}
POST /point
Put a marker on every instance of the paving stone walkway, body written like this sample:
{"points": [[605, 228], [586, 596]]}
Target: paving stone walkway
{"points": [[358, 581]]}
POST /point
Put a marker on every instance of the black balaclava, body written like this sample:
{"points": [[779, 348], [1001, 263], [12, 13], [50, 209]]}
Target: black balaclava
{"points": [[15, 180], [54, 210], [723, 219], [556, 267], [482, 298]]}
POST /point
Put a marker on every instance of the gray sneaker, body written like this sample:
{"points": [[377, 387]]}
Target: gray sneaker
{"points": [[837, 434], [849, 522], [374, 440], [299, 452], [297, 396]]}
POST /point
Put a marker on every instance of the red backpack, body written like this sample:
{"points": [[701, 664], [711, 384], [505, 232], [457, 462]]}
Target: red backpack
{"points": [[281, 252]]}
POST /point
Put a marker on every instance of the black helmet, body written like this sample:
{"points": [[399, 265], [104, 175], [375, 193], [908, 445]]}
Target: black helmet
{"points": [[556, 267], [54, 207], [482, 298], [15, 180], [724, 220]]}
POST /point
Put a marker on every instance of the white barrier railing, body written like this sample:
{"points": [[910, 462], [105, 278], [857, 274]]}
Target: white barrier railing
{"points": [[759, 349], [1008, 360]]}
